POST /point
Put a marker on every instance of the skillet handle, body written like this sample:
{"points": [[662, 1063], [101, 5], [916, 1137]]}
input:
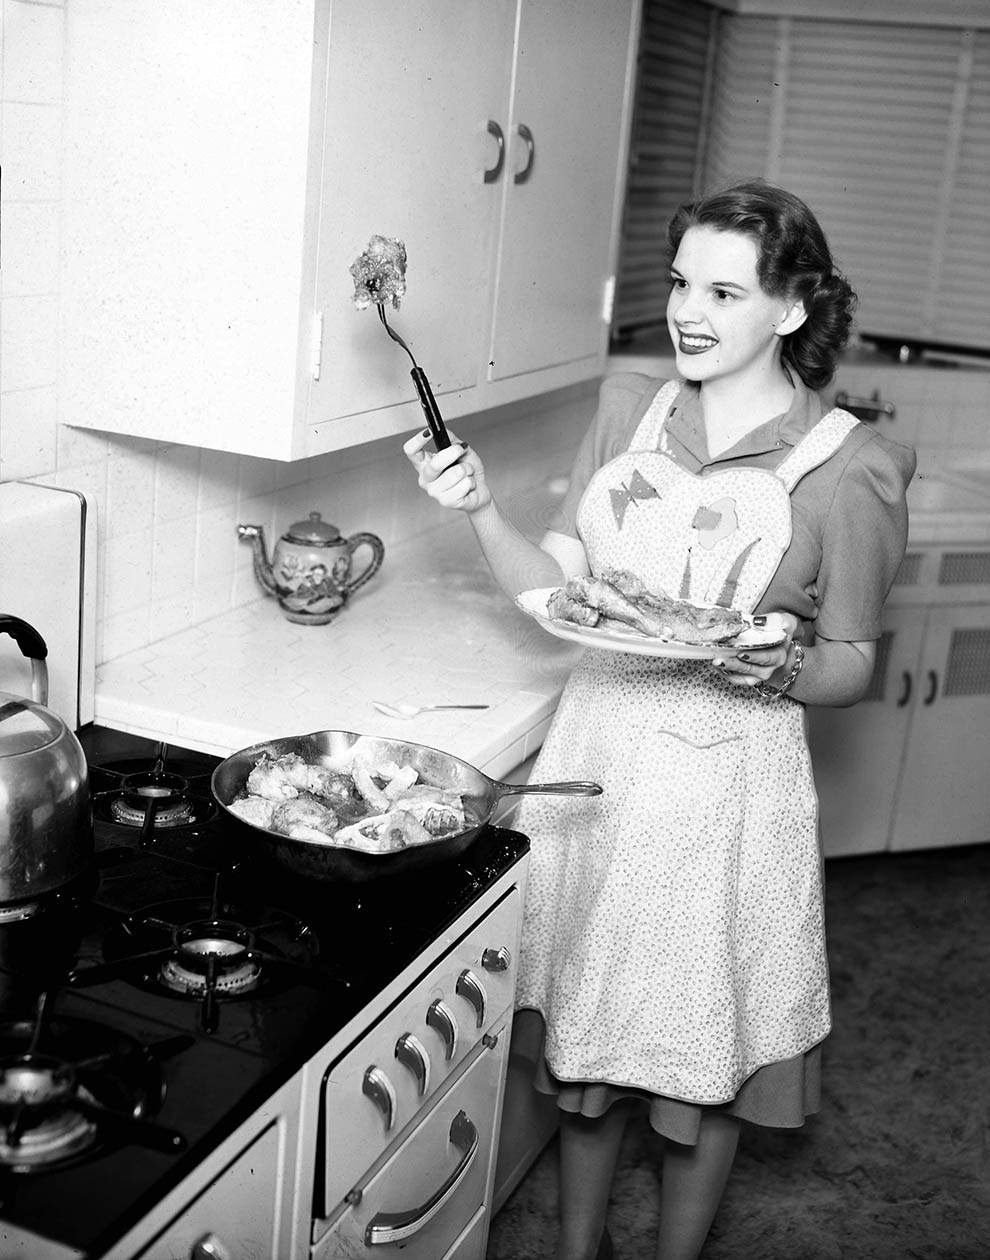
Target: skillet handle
{"points": [[577, 788]]}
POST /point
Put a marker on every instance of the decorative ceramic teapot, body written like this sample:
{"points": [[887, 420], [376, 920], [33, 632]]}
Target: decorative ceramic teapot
{"points": [[310, 569]]}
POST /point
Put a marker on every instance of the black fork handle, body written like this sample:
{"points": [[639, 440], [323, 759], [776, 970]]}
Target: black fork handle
{"points": [[441, 438]]}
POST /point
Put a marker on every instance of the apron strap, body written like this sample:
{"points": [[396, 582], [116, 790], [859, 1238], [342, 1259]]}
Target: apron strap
{"points": [[650, 429], [818, 445]]}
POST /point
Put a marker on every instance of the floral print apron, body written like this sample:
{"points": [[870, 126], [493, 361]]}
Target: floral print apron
{"points": [[673, 937]]}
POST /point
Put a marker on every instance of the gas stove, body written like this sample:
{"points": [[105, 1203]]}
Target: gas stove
{"points": [[148, 1010]]}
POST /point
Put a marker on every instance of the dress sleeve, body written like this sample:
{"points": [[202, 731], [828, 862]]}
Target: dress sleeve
{"points": [[622, 402], [863, 540]]}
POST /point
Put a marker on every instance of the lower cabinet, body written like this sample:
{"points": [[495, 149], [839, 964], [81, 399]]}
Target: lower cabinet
{"points": [[235, 1218], [907, 767]]}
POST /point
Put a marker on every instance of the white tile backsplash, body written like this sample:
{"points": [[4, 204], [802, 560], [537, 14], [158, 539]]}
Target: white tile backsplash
{"points": [[168, 553]]}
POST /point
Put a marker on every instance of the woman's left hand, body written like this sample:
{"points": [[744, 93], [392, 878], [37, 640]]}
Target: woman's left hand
{"points": [[759, 664]]}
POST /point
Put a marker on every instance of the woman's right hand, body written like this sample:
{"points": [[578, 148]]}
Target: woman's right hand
{"points": [[454, 476]]}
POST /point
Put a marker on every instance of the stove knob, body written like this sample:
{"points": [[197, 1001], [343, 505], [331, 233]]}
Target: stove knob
{"points": [[381, 1091], [470, 988], [441, 1019], [412, 1054], [496, 959], [209, 1247]]}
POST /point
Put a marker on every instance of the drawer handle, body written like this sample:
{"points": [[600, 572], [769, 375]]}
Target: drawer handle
{"points": [[469, 987], [932, 691], [391, 1227], [381, 1091], [905, 695], [412, 1054], [868, 409], [441, 1019]]}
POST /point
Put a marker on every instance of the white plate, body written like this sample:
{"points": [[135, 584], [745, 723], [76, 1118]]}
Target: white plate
{"points": [[612, 640]]}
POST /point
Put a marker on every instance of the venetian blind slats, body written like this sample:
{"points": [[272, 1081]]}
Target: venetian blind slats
{"points": [[667, 119], [868, 122]]}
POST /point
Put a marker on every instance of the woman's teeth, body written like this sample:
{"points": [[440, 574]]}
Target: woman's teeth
{"points": [[695, 344]]}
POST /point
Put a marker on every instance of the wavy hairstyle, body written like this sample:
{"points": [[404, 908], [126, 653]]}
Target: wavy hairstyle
{"points": [[794, 261]]}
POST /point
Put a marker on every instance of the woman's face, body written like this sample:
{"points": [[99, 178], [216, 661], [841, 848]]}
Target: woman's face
{"points": [[721, 322]]}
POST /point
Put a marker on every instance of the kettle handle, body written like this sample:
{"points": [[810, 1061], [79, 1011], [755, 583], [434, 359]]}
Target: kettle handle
{"points": [[34, 647], [377, 556]]}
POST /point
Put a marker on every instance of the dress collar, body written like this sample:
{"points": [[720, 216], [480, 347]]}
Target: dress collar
{"points": [[686, 424]]}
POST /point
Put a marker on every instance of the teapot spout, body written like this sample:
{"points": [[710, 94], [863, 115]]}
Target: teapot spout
{"points": [[262, 566]]}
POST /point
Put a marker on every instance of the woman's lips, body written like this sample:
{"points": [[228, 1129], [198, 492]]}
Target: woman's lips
{"points": [[689, 343]]}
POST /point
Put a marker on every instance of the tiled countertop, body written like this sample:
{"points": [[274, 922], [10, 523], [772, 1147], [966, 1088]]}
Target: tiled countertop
{"points": [[431, 627]]}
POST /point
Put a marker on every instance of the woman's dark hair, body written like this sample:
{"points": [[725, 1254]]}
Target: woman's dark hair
{"points": [[794, 261]]}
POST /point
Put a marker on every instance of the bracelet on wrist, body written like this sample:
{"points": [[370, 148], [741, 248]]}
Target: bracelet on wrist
{"points": [[768, 692]]}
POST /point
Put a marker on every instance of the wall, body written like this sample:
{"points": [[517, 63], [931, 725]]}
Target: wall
{"points": [[168, 556]]}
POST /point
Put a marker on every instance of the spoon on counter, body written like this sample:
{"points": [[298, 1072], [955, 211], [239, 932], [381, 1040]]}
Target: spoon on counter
{"points": [[414, 710]]}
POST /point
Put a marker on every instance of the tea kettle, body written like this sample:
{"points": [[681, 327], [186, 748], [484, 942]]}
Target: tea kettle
{"points": [[46, 823], [310, 570]]}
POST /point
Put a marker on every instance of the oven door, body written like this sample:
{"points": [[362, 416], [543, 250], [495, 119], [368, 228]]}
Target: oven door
{"points": [[429, 1200]]}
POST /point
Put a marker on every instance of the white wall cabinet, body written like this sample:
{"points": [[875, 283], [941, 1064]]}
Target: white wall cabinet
{"points": [[906, 768], [225, 164]]}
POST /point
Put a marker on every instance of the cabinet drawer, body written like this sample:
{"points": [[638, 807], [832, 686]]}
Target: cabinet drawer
{"points": [[440, 1020], [434, 1188]]}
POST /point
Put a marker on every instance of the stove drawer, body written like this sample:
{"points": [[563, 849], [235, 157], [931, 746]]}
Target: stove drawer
{"points": [[429, 1199], [381, 1086]]}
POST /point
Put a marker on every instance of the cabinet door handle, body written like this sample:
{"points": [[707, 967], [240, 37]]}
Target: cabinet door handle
{"points": [[905, 695], [391, 1227], [932, 691], [526, 136], [492, 174]]}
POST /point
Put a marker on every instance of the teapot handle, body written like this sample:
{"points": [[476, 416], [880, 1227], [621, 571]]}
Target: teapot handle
{"points": [[374, 564], [34, 647]]}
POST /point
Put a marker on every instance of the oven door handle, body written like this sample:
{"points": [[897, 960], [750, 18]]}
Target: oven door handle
{"points": [[391, 1227]]}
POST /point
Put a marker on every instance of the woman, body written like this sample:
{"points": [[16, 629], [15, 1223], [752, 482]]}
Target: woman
{"points": [[673, 942]]}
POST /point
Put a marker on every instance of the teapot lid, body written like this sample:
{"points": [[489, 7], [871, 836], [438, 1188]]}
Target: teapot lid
{"points": [[316, 532]]}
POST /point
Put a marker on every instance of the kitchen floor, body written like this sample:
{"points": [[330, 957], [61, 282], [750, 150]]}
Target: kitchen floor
{"points": [[895, 1167]]}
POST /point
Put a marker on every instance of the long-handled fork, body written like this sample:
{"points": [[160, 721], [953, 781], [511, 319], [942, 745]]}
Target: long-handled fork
{"points": [[441, 438]]}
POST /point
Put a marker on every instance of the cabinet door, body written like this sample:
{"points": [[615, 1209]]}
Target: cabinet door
{"points": [[857, 752], [410, 90], [237, 1216], [563, 181], [945, 789]]}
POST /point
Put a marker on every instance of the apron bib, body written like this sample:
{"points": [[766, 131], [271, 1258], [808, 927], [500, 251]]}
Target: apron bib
{"points": [[673, 936]]}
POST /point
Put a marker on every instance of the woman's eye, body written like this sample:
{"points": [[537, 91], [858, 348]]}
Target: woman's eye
{"points": [[678, 283], [723, 295]]}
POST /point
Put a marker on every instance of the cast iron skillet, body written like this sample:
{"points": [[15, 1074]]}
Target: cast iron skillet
{"points": [[328, 861]]}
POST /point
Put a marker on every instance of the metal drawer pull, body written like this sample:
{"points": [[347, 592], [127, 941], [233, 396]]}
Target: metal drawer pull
{"points": [[495, 130], [469, 987], [526, 136], [441, 1019], [905, 695], [381, 1091], [390, 1227], [872, 404], [412, 1054], [932, 691], [496, 959]]}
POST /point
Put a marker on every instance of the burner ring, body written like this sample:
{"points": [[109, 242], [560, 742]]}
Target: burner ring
{"points": [[32, 1079], [55, 1138], [195, 983]]}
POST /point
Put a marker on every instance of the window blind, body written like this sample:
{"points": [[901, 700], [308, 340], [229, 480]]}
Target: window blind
{"points": [[884, 129], [669, 120]]}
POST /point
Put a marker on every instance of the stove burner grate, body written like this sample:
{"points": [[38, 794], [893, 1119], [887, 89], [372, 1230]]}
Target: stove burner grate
{"points": [[68, 1088]]}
